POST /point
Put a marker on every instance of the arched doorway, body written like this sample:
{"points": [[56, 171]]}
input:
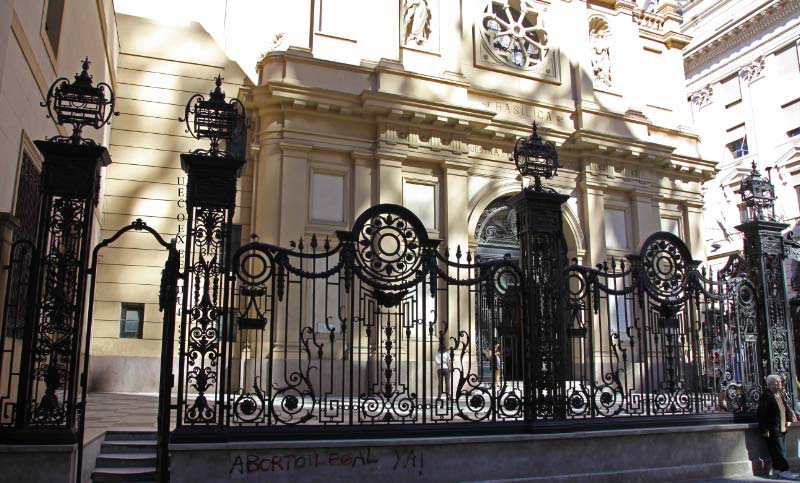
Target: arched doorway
{"points": [[496, 238]]}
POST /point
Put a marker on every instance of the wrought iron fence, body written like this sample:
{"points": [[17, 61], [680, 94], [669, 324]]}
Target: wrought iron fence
{"points": [[655, 335], [20, 274], [376, 327], [379, 327]]}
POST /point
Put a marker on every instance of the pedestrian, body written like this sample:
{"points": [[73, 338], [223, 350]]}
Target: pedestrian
{"points": [[774, 417], [443, 360]]}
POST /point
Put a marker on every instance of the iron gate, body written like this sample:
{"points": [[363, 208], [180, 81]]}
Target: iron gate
{"points": [[167, 304]]}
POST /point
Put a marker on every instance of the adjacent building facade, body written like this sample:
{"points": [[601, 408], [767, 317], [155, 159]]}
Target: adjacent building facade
{"points": [[743, 84], [413, 102]]}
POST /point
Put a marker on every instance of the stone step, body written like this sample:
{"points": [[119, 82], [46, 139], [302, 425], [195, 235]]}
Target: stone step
{"points": [[117, 435], [121, 460], [119, 475], [128, 447]]}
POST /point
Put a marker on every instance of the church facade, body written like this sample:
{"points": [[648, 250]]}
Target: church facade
{"points": [[419, 106]]}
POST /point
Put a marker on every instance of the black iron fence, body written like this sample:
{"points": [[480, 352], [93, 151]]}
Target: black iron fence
{"points": [[378, 327], [655, 335]]}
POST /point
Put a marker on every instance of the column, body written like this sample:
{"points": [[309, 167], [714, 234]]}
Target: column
{"points": [[390, 178], [694, 230], [764, 252], [594, 222], [456, 198], [294, 192], [363, 168], [646, 218], [543, 253]]}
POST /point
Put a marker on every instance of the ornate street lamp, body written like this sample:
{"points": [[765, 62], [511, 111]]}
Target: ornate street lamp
{"points": [[216, 120], [536, 157], [80, 104], [758, 194]]}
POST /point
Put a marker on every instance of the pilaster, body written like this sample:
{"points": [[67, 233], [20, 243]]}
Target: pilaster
{"points": [[594, 222], [294, 191], [390, 179]]}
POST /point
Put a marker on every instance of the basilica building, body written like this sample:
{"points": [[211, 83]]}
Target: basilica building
{"points": [[351, 104]]}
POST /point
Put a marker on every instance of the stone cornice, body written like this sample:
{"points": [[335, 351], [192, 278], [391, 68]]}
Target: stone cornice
{"points": [[738, 33]]}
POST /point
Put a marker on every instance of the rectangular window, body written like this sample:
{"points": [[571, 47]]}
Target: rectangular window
{"points": [[131, 321], [26, 210], [54, 14], [797, 192], [730, 92], [738, 148], [421, 199], [616, 228]]}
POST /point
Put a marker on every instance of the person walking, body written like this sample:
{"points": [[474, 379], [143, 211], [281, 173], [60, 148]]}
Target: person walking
{"points": [[774, 417]]}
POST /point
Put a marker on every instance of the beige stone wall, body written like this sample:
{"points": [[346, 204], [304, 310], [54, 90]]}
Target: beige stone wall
{"points": [[390, 114], [155, 79]]}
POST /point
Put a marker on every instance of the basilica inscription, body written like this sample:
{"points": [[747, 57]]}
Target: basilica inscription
{"points": [[524, 111]]}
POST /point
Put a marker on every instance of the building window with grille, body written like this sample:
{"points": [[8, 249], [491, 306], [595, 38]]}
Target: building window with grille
{"points": [[131, 321], [738, 148], [27, 200]]}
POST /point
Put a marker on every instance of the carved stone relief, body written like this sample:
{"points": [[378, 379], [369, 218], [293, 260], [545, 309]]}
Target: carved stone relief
{"points": [[416, 22], [752, 71], [599, 35], [703, 96]]}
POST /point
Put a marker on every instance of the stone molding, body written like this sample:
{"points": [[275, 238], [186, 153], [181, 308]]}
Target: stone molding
{"points": [[738, 34]]}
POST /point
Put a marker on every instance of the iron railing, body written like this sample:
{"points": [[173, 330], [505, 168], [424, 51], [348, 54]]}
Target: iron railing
{"points": [[378, 327], [655, 335]]}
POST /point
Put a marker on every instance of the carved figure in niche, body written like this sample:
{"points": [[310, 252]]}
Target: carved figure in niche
{"points": [[601, 58], [416, 22]]}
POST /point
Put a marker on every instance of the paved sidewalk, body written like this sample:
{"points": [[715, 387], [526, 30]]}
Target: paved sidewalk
{"points": [[113, 410]]}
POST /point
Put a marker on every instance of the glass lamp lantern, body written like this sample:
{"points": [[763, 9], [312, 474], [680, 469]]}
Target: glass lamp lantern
{"points": [[536, 157], [758, 195], [79, 103], [215, 119]]}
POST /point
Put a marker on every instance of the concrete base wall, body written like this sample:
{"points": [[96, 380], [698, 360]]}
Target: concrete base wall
{"points": [[630, 455], [38, 463]]}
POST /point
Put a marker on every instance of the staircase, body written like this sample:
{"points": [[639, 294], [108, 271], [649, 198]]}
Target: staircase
{"points": [[126, 456]]}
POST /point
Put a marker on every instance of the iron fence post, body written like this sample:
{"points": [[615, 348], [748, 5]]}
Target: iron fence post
{"points": [[543, 253], [49, 374], [765, 250], [204, 388]]}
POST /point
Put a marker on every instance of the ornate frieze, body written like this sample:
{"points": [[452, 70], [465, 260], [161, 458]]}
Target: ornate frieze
{"points": [[422, 137], [751, 27]]}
